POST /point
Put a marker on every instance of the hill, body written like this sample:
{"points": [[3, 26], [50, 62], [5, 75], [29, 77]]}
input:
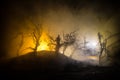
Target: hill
{"points": [[44, 61], [48, 65]]}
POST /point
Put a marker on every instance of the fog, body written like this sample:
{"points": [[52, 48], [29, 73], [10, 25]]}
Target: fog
{"points": [[58, 17]]}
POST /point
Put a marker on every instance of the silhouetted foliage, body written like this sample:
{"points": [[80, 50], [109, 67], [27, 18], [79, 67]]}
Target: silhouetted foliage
{"points": [[36, 34], [103, 44], [68, 39], [58, 45]]}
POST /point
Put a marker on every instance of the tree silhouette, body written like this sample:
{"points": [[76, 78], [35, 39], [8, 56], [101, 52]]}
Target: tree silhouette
{"points": [[56, 42], [103, 44], [58, 45], [36, 34], [68, 39]]}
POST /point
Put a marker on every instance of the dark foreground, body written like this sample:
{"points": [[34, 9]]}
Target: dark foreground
{"points": [[87, 73], [56, 68]]}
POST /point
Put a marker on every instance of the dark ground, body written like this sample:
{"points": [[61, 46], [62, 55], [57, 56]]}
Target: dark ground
{"points": [[56, 67]]}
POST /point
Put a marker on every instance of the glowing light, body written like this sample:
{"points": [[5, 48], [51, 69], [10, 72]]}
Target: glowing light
{"points": [[92, 44], [44, 41], [93, 57], [43, 46]]}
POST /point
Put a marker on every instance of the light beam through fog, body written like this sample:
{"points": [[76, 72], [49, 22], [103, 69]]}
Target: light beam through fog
{"points": [[57, 20]]}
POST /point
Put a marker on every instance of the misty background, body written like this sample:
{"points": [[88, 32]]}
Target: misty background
{"points": [[88, 17]]}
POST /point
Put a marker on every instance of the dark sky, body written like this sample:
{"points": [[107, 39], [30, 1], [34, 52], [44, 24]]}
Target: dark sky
{"points": [[12, 8], [18, 10]]}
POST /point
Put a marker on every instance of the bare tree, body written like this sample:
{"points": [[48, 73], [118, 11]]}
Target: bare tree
{"points": [[36, 34], [68, 39], [80, 46], [58, 45], [75, 47], [103, 44], [56, 42]]}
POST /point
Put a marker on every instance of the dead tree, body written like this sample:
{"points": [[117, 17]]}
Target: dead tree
{"points": [[36, 34], [75, 46], [103, 44], [68, 39], [56, 42], [58, 45], [78, 46]]}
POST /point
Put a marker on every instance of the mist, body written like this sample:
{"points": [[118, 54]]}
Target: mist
{"points": [[57, 17]]}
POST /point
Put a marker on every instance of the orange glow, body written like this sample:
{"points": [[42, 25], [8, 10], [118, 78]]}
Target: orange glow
{"points": [[44, 41], [93, 57], [43, 46]]}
